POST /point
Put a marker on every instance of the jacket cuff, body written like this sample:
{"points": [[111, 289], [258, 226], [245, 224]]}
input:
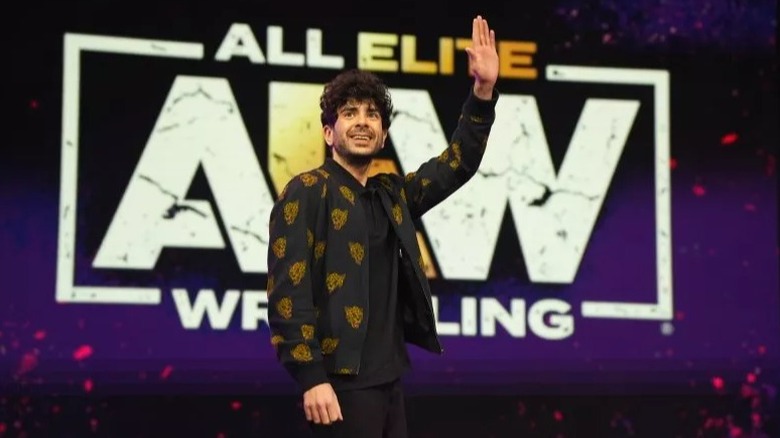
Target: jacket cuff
{"points": [[479, 107], [308, 375]]}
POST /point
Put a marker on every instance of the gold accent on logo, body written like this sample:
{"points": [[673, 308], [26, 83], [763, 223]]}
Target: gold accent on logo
{"points": [[276, 340], [324, 173], [425, 182], [309, 238]]}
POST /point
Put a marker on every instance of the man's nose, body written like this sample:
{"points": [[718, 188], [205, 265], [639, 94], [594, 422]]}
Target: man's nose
{"points": [[361, 119]]}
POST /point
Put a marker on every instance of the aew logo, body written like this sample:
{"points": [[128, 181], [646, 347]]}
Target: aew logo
{"points": [[517, 171]]}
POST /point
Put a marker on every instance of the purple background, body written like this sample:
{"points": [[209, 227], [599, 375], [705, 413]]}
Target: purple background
{"points": [[724, 210]]}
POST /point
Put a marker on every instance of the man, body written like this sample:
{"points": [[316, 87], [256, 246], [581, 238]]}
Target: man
{"points": [[347, 288]]}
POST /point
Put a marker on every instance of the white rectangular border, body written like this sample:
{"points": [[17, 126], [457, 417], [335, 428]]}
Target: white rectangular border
{"points": [[74, 44], [663, 308]]}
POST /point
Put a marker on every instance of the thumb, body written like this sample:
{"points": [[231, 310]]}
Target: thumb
{"points": [[472, 55]]}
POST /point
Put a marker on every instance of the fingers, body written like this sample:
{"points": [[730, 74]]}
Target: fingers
{"points": [[481, 35], [334, 411], [317, 413], [475, 31], [311, 413], [322, 408], [484, 37], [323, 414]]}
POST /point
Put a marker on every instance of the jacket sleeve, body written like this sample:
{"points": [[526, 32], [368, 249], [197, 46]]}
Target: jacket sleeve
{"points": [[439, 177], [291, 312]]}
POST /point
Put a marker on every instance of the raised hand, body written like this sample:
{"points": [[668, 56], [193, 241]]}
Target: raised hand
{"points": [[483, 58]]}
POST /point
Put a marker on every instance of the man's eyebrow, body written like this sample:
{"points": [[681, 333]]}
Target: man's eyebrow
{"points": [[347, 107]]}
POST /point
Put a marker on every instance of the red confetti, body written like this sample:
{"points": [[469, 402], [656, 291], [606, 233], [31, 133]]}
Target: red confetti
{"points": [[762, 350], [729, 139], [699, 190], [28, 363], [55, 409], [82, 352], [3, 428], [88, 385], [33, 104], [40, 335], [673, 163], [166, 372], [751, 378], [558, 415], [771, 164], [718, 383], [93, 423], [235, 405], [750, 207], [679, 315]]}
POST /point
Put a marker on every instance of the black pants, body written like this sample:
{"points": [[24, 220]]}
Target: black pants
{"points": [[375, 412]]}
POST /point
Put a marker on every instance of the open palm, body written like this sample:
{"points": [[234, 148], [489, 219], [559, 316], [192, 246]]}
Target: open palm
{"points": [[483, 58]]}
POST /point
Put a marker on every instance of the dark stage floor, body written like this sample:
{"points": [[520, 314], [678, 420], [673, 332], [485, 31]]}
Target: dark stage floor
{"points": [[716, 415]]}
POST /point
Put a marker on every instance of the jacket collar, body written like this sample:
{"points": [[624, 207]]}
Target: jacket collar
{"points": [[343, 176]]}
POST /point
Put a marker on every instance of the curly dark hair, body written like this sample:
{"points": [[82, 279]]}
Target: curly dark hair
{"points": [[358, 85]]}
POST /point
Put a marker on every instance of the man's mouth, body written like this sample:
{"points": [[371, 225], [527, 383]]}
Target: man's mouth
{"points": [[361, 137]]}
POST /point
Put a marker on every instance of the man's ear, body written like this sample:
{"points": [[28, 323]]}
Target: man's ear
{"points": [[384, 138], [327, 134]]}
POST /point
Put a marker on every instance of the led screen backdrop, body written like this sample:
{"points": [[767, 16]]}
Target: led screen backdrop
{"points": [[621, 231]]}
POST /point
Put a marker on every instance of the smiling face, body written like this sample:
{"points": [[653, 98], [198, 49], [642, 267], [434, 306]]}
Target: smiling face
{"points": [[357, 135]]}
